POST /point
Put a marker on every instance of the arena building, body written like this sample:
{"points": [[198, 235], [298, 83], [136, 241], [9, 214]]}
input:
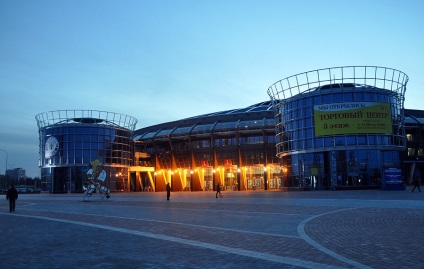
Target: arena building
{"points": [[328, 129]]}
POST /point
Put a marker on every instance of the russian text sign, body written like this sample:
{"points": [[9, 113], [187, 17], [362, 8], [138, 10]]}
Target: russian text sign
{"points": [[352, 118]]}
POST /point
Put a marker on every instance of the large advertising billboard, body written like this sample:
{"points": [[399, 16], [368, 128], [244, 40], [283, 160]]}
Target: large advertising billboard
{"points": [[353, 118]]}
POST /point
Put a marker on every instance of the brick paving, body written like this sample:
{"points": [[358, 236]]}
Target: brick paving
{"points": [[256, 229]]}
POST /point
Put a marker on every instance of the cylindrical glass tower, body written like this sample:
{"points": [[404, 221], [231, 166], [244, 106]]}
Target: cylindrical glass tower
{"points": [[71, 142], [340, 127]]}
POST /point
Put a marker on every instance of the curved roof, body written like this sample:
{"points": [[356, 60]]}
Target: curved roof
{"points": [[257, 116], [414, 116]]}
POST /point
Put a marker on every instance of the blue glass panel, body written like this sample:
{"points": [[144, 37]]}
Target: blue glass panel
{"points": [[250, 123], [78, 156], [94, 138], [182, 130], [340, 141], [351, 140], [309, 133], [328, 142], [326, 98], [372, 140], [269, 122], [225, 126], [308, 112], [308, 101], [149, 135], [362, 140], [271, 139], [300, 144], [319, 142], [348, 97], [309, 122], [337, 98], [309, 143], [385, 140], [86, 138]]}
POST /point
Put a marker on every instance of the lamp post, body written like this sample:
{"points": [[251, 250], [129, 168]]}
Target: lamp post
{"points": [[154, 180], [238, 179], [213, 179], [5, 171]]}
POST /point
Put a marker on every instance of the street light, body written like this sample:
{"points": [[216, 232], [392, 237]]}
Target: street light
{"points": [[7, 156], [5, 171]]}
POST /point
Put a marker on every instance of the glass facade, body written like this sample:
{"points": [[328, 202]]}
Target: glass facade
{"points": [[72, 141], [342, 134]]}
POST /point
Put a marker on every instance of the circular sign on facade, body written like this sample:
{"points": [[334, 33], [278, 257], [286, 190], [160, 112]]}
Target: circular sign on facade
{"points": [[51, 147]]}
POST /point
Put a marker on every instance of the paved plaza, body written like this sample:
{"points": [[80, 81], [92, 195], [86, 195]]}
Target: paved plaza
{"points": [[252, 229]]}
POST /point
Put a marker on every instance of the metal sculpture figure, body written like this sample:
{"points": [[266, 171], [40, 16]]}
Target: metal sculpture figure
{"points": [[96, 178]]}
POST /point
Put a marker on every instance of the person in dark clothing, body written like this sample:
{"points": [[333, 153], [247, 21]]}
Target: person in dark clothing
{"points": [[416, 184], [218, 190], [12, 196], [168, 191]]}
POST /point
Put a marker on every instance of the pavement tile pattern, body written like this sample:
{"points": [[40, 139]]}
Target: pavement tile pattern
{"points": [[254, 229]]}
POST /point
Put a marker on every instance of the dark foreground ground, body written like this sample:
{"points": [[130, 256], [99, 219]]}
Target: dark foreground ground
{"points": [[257, 229]]}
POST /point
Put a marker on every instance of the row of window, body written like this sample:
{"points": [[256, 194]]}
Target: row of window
{"points": [[414, 137], [78, 138], [87, 160], [337, 168], [415, 152], [221, 142], [346, 96], [71, 146], [94, 129], [343, 140], [207, 128]]}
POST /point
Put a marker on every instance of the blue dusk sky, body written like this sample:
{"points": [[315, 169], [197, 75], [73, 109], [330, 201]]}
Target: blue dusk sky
{"points": [[160, 61]]}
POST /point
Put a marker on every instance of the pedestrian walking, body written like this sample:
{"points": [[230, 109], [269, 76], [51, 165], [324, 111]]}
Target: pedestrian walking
{"points": [[12, 196], [168, 191], [416, 184], [218, 190]]}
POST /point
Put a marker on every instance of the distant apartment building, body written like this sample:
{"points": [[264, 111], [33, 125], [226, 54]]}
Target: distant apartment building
{"points": [[16, 174]]}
